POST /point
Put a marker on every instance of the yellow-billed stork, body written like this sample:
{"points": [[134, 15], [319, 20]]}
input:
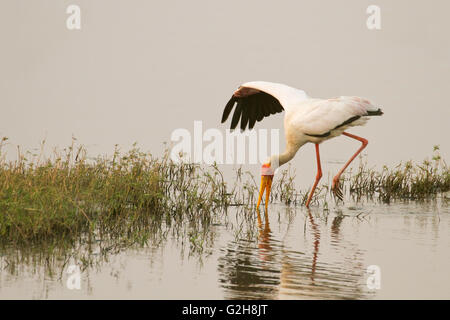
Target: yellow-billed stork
{"points": [[306, 120]]}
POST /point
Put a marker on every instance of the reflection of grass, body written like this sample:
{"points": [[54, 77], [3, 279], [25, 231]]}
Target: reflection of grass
{"points": [[69, 196]]}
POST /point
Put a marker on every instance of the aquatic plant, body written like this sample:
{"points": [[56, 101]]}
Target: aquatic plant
{"points": [[68, 196], [409, 180]]}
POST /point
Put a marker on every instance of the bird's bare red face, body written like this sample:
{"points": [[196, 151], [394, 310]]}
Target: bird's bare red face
{"points": [[266, 170]]}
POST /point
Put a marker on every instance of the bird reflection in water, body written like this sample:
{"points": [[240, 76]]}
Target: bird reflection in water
{"points": [[248, 271], [270, 268], [316, 234], [265, 249]]}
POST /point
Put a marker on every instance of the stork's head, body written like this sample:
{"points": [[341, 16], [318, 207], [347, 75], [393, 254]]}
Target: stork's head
{"points": [[267, 173]]}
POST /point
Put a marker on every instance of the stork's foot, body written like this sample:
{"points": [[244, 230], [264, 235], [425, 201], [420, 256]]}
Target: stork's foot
{"points": [[337, 189]]}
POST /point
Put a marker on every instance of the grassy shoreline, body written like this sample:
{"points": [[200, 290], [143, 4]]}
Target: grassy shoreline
{"points": [[68, 195]]}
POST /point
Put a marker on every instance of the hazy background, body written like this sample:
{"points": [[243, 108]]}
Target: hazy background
{"points": [[137, 70]]}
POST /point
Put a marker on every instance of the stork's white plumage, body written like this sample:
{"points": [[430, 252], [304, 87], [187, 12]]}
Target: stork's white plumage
{"points": [[306, 120]]}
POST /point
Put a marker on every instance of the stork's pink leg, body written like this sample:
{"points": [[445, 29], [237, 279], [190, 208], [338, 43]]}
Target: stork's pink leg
{"points": [[318, 176], [335, 184]]}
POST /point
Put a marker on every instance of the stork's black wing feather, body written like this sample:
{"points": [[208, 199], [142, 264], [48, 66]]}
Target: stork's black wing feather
{"points": [[236, 115], [252, 115], [250, 109], [244, 116], [228, 108]]}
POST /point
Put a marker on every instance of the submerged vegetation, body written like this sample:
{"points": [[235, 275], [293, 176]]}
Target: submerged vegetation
{"points": [[69, 197]]}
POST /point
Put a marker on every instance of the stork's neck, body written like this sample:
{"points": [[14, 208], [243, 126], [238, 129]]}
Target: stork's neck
{"points": [[288, 154]]}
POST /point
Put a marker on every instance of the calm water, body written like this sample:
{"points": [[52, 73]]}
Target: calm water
{"points": [[295, 254]]}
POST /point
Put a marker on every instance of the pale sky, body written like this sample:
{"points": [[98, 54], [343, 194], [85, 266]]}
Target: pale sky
{"points": [[137, 70]]}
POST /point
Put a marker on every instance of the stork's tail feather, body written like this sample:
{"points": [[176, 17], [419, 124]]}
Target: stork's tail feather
{"points": [[378, 112]]}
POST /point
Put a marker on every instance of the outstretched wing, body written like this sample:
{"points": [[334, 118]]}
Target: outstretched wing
{"points": [[251, 105]]}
